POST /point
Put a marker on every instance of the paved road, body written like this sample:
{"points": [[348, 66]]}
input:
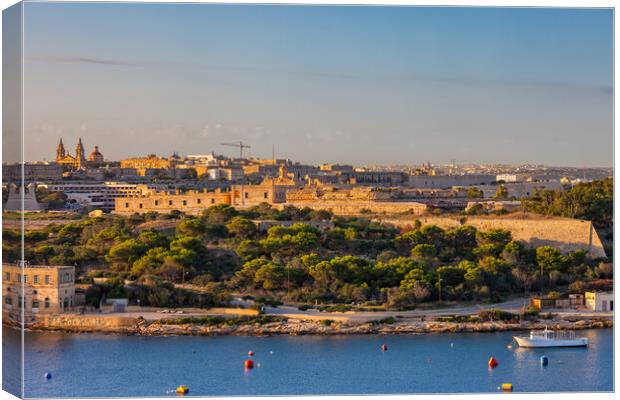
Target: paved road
{"points": [[514, 306]]}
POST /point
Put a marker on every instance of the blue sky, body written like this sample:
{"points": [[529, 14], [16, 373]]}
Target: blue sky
{"points": [[364, 85]]}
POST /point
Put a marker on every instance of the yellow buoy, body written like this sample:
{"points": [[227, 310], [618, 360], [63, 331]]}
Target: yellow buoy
{"points": [[507, 387], [182, 389]]}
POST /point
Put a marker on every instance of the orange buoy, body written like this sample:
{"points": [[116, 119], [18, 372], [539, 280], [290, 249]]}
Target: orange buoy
{"points": [[249, 364], [182, 389], [507, 387], [250, 353], [384, 347], [493, 362]]}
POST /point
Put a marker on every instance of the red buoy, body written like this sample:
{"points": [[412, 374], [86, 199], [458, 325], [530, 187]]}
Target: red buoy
{"points": [[384, 347], [493, 362], [249, 364], [250, 353]]}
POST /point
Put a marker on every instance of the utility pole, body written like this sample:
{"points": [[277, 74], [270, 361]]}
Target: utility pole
{"points": [[542, 280], [288, 283], [439, 283]]}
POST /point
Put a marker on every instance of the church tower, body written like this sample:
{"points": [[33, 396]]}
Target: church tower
{"points": [[79, 154], [60, 151]]}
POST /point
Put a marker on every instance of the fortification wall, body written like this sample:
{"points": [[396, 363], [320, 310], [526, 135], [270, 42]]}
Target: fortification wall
{"points": [[355, 207], [563, 233]]}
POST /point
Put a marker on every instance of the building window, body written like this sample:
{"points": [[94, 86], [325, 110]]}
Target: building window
{"points": [[7, 276], [35, 304], [19, 277], [65, 303], [184, 202], [169, 202], [212, 201], [140, 205], [47, 279], [265, 195], [156, 202], [8, 300], [36, 279], [126, 205], [198, 201], [47, 302], [19, 301], [246, 194]]}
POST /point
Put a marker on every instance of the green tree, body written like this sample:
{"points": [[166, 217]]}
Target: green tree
{"points": [[474, 193], [550, 259], [424, 252], [501, 193], [270, 276], [241, 227], [123, 255], [219, 214], [191, 227]]}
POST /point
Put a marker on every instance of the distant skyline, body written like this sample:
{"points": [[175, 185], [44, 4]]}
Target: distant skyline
{"points": [[359, 85]]}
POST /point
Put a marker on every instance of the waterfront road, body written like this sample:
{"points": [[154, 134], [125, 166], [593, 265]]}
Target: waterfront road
{"points": [[514, 306]]}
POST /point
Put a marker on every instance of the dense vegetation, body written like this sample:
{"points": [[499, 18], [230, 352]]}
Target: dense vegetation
{"points": [[352, 260], [591, 201]]}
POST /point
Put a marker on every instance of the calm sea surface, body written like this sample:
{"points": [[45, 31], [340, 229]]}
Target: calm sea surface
{"points": [[98, 365]]}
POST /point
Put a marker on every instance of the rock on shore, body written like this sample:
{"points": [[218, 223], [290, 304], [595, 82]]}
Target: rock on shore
{"points": [[140, 326]]}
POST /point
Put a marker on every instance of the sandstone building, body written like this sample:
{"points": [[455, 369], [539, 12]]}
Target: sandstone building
{"points": [[67, 160], [150, 162], [95, 156], [46, 290], [191, 202]]}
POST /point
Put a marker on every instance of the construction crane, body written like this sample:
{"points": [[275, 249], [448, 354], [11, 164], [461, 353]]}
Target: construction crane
{"points": [[239, 145]]}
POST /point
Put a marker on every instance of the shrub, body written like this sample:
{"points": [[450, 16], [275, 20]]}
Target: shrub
{"points": [[497, 315], [531, 313], [213, 320], [336, 308], [269, 302], [388, 320]]}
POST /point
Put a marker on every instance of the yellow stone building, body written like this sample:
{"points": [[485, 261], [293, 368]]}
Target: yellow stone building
{"points": [[46, 290], [150, 162], [191, 202], [67, 160]]}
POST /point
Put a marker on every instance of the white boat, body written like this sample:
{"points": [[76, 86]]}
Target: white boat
{"points": [[549, 338]]}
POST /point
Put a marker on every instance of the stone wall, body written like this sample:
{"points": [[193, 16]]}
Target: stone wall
{"points": [[355, 207], [566, 234], [82, 323]]}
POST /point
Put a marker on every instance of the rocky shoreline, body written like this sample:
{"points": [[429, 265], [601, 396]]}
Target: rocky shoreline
{"points": [[140, 326]]}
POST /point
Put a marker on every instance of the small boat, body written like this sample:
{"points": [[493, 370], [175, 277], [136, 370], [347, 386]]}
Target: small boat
{"points": [[547, 338]]}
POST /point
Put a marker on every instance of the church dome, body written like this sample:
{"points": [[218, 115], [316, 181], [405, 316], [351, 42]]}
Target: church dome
{"points": [[95, 155]]}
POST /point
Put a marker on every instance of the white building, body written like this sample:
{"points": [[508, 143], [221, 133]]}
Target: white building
{"points": [[95, 195], [506, 178], [448, 181], [600, 301]]}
